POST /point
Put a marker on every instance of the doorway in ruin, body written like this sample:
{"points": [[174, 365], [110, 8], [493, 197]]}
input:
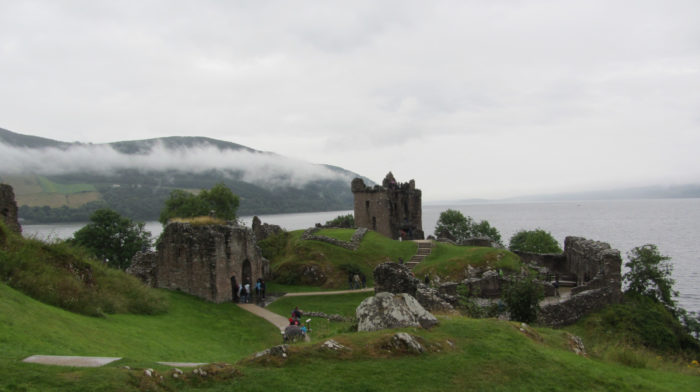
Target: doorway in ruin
{"points": [[247, 275], [234, 291]]}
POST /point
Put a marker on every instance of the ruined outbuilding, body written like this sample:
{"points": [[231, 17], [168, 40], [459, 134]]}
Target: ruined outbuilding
{"points": [[392, 209], [8, 208], [207, 261]]}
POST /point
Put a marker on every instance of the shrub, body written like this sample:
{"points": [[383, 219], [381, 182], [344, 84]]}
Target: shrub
{"points": [[183, 204], [453, 224], [649, 275], [342, 221], [522, 297], [534, 241], [113, 238]]}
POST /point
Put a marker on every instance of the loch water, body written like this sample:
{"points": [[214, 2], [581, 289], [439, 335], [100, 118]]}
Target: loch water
{"points": [[672, 224]]}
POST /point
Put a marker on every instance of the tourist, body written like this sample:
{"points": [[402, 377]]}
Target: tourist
{"points": [[400, 260], [427, 279], [262, 288], [258, 288], [296, 313], [350, 280], [363, 278], [356, 281], [247, 291], [243, 294], [556, 285]]}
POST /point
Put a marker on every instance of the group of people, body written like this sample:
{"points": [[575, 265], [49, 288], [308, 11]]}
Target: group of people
{"points": [[295, 330], [242, 293], [357, 280]]}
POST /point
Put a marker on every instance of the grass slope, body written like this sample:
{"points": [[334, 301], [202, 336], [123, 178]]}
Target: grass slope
{"points": [[192, 331], [290, 255], [450, 262]]}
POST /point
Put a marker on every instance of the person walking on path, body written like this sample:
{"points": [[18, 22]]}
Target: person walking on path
{"points": [[363, 278], [556, 285], [247, 290], [356, 281], [262, 288]]}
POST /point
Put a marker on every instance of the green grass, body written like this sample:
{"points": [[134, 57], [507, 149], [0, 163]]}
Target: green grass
{"points": [[49, 186], [340, 234], [450, 261], [290, 257], [65, 276], [342, 304]]}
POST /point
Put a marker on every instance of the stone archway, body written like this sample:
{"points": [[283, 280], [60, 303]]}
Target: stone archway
{"points": [[247, 273]]}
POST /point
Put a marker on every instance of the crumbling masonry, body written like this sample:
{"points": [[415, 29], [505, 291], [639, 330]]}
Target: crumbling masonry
{"points": [[392, 209], [8, 208], [202, 260]]}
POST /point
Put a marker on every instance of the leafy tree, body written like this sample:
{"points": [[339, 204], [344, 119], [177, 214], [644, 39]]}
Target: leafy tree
{"points": [[535, 241], [522, 298], [649, 275], [346, 221], [112, 238], [183, 204], [453, 224]]}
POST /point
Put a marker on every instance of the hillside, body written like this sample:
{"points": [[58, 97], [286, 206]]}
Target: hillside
{"points": [[56, 181]]}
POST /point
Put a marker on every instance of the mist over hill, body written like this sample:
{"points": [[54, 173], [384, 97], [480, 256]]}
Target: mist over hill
{"points": [[57, 181]]}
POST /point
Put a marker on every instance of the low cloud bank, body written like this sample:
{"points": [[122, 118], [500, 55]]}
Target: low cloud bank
{"points": [[259, 168]]}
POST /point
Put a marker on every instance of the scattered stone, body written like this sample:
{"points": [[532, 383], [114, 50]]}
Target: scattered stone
{"points": [[430, 299], [276, 351], [332, 345], [353, 244], [404, 341], [387, 310], [177, 371], [576, 345], [200, 372], [148, 372], [126, 367]]}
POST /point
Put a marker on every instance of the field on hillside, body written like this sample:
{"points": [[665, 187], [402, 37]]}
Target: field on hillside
{"points": [[461, 354]]}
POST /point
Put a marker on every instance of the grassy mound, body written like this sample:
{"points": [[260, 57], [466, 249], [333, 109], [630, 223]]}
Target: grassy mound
{"points": [[451, 262], [636, 332], [316, 263], [65, 276]]}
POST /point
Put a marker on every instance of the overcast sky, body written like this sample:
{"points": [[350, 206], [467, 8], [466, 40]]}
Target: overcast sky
{"points": [[471, 99]]}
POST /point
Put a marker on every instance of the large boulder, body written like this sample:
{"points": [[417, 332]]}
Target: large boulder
{"points": [[387, 310], [394, 278]]}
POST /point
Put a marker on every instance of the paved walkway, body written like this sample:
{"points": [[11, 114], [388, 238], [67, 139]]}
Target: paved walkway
{"points": [[308, 293], [274, 318], [64, 360]]}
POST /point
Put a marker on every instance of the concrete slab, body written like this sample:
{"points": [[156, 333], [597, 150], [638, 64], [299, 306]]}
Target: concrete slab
{"points": [[62, 360], [183, 364]]}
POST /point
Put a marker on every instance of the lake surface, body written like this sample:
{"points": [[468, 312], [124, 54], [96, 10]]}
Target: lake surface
{"points": [[672, 224]]}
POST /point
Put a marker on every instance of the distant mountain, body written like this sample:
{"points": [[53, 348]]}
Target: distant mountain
{"points": [[57, 181]]}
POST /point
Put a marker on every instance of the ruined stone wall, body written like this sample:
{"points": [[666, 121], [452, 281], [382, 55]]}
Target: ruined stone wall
{"points": [[8, 208], [264, 230], [201, 259], [390, 208], [595, 264]]}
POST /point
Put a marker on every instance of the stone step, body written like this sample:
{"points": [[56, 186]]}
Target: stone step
{"points": [[423, 251]]}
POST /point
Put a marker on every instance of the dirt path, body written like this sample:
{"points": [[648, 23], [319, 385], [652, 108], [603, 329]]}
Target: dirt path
{"points": [[274, 318]]}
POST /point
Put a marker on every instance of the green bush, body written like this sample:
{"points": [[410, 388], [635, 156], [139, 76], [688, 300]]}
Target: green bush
{"points": [[522, 297], [453, 224], [649, 275], [534, 241], [183, 204], [343, 221]]}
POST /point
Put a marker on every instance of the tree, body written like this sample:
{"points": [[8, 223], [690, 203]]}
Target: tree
{"points": [[345, 221], [522, 298], [453, 224], [534, 241], [183, 204], [649, 275], [113, 238]]}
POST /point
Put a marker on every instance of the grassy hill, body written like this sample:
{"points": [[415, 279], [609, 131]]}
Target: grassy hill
{"points": [[140, 193]]}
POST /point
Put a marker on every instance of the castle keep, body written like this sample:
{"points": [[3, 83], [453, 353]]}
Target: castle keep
{"points": [[392, 209]]}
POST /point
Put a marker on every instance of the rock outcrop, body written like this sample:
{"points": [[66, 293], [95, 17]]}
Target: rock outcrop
{"points": [[8, 208], [387, 310], [394, 278]]}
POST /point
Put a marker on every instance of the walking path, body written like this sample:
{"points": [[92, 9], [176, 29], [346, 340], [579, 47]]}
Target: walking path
{"points": [[274, 318], [64, 360], [308, 293]]}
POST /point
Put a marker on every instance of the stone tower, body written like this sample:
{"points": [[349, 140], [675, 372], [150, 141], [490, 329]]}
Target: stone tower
{"points": [[392, 209]]}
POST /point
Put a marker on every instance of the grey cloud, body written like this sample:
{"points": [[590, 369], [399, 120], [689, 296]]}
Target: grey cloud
{"points": [[264, 169]]}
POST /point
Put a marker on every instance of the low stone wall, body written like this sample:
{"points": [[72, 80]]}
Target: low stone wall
{"points": [[264, 230], [569, 311], [8, 208], [353, 244]]}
